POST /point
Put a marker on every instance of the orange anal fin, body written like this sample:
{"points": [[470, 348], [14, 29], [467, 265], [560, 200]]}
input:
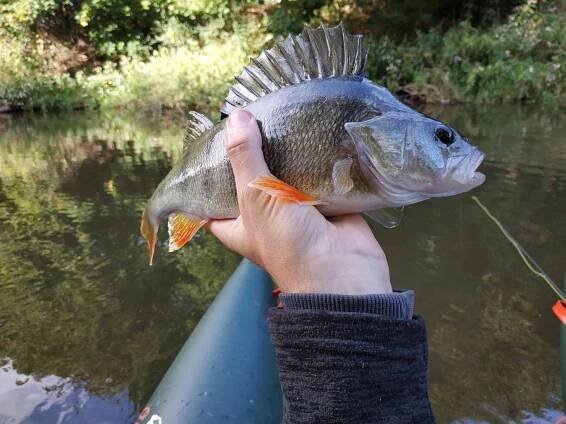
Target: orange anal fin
{"points": [[182, 229], [280, 189]]}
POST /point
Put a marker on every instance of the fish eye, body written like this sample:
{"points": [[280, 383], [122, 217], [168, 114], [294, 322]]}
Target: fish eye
{"points": [[445, 135]]}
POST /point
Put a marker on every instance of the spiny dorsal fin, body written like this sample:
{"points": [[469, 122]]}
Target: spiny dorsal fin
{"points": [[315, 53], [197, 123]]}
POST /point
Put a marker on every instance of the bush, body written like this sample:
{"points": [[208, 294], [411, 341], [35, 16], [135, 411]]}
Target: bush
{"points": [[192, 67], [173, 77], [185, 52], [522, 60]]}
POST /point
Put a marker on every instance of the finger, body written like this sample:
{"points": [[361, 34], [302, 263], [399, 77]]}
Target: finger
{"points": [[357, 229], [353, 224], [244, 149], [231, 234], [349, 221]]}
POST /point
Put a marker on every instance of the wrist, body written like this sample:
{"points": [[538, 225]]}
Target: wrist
{"points": [[349, 274]]}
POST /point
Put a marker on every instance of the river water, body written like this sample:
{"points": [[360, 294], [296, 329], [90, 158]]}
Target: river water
{"points": [[87, 329]]}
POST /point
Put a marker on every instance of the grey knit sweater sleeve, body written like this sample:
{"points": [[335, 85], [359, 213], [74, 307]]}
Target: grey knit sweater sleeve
{"points": [[343, 360], [399, 304]]}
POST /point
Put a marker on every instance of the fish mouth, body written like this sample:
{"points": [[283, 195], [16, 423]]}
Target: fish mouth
{"points": [[467, 169], [461, 174]]}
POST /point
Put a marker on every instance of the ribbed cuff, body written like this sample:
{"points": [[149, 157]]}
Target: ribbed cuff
{"points": [[396, 305]]}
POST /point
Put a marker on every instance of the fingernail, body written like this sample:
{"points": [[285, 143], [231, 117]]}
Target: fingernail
{"points": [[239, 117]]}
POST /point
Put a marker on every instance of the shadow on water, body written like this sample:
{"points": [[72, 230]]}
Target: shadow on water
{"points": [[87, 329]]}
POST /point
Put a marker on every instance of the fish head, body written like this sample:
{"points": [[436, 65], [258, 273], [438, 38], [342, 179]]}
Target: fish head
{"points": [[409, 157]]}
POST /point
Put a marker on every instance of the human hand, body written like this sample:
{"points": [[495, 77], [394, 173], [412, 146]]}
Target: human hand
{"points": [[302, 250]]}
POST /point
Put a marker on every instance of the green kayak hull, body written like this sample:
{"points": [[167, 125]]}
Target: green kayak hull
{"points": [[226, 371]]}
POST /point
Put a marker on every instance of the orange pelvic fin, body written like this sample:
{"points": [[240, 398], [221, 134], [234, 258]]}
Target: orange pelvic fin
{"points": [[182, 229], [277, 188], [149, 232]]}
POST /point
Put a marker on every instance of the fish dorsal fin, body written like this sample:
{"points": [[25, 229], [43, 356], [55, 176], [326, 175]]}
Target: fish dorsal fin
{"points": [[314, 54], [197, 123]]}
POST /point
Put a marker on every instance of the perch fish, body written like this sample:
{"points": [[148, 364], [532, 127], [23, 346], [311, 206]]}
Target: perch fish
{"points": [[331, 138]]}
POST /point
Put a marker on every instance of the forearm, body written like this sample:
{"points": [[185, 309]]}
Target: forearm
{"points": [[339, 366]]}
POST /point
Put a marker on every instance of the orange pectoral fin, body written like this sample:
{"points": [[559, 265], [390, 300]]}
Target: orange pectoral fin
{"points": [[182, 229], [277, 188]]}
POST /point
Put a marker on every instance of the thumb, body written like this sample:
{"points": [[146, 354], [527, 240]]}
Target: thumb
{"points": [[244, 149]]}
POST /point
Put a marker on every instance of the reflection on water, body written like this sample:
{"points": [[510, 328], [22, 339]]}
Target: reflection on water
{"points": [[51, 399], [90, 328], [78, 299]]}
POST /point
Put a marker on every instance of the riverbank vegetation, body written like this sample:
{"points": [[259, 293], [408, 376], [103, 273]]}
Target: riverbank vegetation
{"points": [[154, 55]]}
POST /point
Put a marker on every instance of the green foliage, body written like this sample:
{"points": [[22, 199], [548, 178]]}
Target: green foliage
{"points": [[27, 83], [522, 60], [174, 76], [112, 25], [117, 26], [168, 53], [292, 15], [58, 92], [396, 18], [152, 55]]}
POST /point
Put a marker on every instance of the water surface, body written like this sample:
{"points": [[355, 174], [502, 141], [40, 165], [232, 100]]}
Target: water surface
{"points": [[87, 329]]}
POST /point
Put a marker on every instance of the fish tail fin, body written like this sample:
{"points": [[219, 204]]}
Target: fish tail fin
{"points": [[149, 232], [182, 228], [280, 189]]}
